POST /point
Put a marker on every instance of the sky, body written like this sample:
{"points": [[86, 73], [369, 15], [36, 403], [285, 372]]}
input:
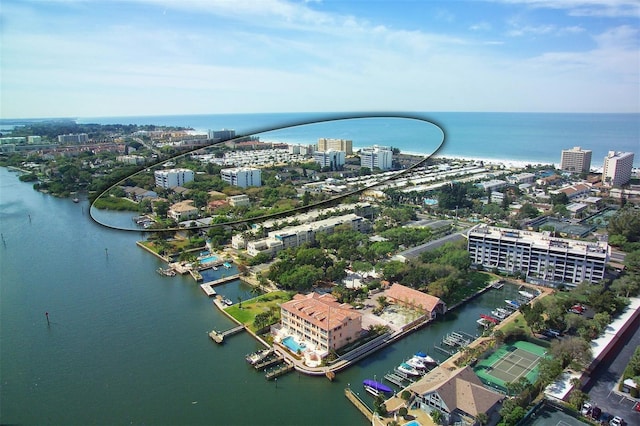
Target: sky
{"points": [[85, 58]]}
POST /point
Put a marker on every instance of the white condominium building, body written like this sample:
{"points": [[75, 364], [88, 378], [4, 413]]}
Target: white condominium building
{"points": [[539, 257], [380, 157], [171, 178], [294, 236], [325, 144], [330, 158], [243, 177], [576, 160], [617, 168]]}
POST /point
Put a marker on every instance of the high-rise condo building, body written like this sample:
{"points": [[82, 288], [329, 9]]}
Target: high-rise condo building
{"points": [[243, 177], [173, 177], [380, 157], [326, 144], [330, 158], [576, 160], [617, 167], [540, 258]]}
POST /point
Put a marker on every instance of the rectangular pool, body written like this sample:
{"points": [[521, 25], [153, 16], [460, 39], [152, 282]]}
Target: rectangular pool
{"points": [[208, 259]]}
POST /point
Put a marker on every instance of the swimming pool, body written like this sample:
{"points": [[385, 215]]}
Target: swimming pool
{"points": [[208, 259], [290, 343], [412, 423]]}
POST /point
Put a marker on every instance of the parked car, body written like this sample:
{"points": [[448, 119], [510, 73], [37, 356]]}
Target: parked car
{"points": [[605, 418], [616, 421], [595, 413], [586, 409]]}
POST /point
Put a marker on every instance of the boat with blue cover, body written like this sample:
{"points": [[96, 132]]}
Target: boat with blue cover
{"points": [[380, 387]]}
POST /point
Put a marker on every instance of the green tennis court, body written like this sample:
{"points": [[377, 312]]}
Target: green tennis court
{"points": [[509, 363]]}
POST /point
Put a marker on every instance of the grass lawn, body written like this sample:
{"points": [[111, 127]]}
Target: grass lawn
{"points": [[258, 305], [517, 323]]}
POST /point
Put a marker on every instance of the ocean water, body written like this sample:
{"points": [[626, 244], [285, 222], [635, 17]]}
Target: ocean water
{"points": [[125, 345], [536, 138]]}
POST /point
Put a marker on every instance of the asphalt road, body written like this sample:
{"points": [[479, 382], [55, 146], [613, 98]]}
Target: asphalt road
{"points": [[602, 388]]}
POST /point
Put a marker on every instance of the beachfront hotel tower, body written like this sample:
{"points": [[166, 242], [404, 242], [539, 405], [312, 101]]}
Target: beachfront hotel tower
{"points": [[326, 144], [540, 258], [617, 168], [575, 160], [320, 320]]}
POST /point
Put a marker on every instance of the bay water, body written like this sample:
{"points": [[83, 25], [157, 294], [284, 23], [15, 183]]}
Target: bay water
{"points": [[125, 345]]}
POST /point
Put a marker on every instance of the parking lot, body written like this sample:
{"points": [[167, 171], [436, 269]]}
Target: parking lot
{"points": [[602, 388]]}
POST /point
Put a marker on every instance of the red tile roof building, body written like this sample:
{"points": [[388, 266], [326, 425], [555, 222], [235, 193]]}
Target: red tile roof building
{"points": [[319, 319], [406, 296]]}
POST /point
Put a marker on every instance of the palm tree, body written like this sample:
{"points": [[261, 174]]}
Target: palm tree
{"points": [[482, 418]]}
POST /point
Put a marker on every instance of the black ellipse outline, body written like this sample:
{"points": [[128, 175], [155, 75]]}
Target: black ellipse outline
{"points": [[325, 119]]}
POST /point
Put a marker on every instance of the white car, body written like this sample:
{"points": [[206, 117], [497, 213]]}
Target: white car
{"points": [[616, 421], [586, 408]]}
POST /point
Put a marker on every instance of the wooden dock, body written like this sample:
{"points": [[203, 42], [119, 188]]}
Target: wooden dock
{"points": [[208, 289], [222, 280], [395, 379], [267, 362], [218, 336], [284, 368]]}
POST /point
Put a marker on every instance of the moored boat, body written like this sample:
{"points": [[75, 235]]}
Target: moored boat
{"points": [[426, 359], [377, 386], [513, 303], [416, 363], [407, 369], [526, 294]]}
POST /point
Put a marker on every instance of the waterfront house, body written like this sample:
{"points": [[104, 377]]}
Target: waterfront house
{"points": [[431, 306], [458, 394], [184, 210], [321, 321]]}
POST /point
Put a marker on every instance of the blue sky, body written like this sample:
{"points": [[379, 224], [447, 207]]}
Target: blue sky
{"points": [[80, 58]]}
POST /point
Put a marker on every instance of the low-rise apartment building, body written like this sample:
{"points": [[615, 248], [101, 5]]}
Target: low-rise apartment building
{"points": [[294, 236], [539, 257]]}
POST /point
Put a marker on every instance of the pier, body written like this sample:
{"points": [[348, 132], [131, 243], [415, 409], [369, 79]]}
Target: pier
{"points": [[360, 405], [218, 336], [208, 289], [222, 280]]}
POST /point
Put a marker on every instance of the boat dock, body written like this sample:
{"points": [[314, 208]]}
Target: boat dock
{"points": [[395, 379], [281, 369], [208, 289], [218, 336], [455, 339], [267, 362], [444, 351], [222, 280]]}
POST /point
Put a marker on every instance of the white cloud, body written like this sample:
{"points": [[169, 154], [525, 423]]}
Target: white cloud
{"points": [[481, 26], [597, 8]]}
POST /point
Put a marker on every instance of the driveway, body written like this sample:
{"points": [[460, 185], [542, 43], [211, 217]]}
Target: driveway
{"points": [[602, 387]]}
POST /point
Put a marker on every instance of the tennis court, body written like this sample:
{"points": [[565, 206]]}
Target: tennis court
{"points": [[509, 363]]}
